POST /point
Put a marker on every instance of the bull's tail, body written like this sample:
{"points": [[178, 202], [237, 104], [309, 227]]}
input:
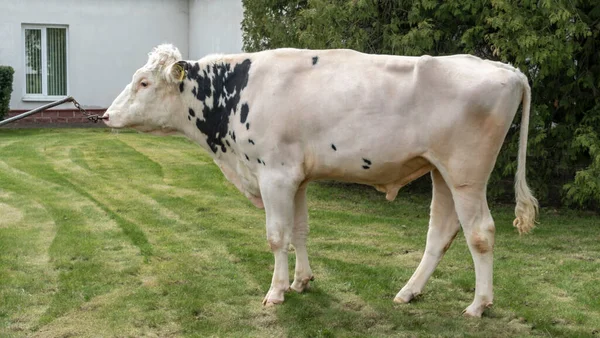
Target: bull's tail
{"points": [[527, 206]]}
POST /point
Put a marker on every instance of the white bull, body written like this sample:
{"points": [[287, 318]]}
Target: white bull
{"points": [[275, 120]]}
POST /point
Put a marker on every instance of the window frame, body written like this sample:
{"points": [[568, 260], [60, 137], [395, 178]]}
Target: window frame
{"points": [[44, 95]]}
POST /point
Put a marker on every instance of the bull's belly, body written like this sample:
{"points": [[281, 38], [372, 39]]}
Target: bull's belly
{"points": [[387, 177]]}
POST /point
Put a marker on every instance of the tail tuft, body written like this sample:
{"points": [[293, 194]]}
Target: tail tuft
{"points": [[527, 206], [526, 210]]}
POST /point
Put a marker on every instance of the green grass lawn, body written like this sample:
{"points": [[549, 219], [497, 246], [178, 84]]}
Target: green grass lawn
{"points": [[128, 235]]}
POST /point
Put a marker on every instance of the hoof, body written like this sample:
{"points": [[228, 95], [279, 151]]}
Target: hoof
{"points": [[401, 300], [474, 311], [273, 298], [404, 297], [470, 314], [302, 285], [271, 303]]}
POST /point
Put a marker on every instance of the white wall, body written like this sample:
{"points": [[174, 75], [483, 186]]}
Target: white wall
{"points": [[215, 27], [108, 40]]}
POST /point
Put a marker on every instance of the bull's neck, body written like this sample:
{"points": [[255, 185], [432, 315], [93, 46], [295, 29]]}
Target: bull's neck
{"points": [[211, 94]]}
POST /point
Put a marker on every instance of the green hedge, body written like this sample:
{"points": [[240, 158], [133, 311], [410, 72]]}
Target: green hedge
{"points": [[555, 43], [6, 82]]}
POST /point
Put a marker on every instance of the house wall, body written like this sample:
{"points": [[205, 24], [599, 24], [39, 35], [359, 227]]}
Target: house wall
{"points": [[107, 41], [215, 27]]}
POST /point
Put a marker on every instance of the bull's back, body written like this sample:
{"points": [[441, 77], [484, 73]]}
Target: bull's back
{"points": [[332, 87]]}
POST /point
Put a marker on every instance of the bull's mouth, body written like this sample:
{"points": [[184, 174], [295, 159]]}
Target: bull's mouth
{"points": [[112, 123], [105, 118]]}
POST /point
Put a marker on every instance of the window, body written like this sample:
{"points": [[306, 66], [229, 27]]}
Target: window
{"points": [[45, 62]]}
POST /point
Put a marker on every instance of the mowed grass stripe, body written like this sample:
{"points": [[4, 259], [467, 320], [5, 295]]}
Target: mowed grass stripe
{"points": [[39, 164], [88, 258], [27, 278], [210, 264], [188, 250], [84, 255], [64, 322], [208, 222]]}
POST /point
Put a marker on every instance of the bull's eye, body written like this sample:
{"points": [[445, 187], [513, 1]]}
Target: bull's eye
{"points": [[144, 84]]}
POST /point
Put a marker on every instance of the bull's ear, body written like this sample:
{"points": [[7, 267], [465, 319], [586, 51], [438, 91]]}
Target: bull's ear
{"points": [[175, 73]]}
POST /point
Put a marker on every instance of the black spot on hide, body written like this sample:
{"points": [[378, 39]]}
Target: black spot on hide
{"points": [[251, 142], [218, 87], [244, 113], [181, 87], [247, 158], [315, 59], [192, 112], [333, 147], [247, 125], [366, 167], [367, 161]]}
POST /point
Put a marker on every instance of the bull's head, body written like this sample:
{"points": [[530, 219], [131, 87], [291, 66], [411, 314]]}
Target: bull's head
{"points": [[151, 101]]}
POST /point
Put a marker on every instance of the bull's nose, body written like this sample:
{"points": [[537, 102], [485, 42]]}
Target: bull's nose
{"points": [[105, 117]]}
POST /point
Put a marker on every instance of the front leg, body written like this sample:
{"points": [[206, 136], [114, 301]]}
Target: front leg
{"points": [[278, 196]]}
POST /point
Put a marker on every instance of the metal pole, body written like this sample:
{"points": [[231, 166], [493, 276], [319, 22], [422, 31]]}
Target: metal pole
{"points": [[36, 110]]}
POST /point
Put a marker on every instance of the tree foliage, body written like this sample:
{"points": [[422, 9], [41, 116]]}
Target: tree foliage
{"points": [[555, 42]]}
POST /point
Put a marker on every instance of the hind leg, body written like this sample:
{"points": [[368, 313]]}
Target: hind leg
{"points": [[479, 229], [303, 273], [443, 227]]}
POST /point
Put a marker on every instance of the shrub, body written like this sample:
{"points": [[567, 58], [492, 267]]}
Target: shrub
{"points": [[6, 81]]}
